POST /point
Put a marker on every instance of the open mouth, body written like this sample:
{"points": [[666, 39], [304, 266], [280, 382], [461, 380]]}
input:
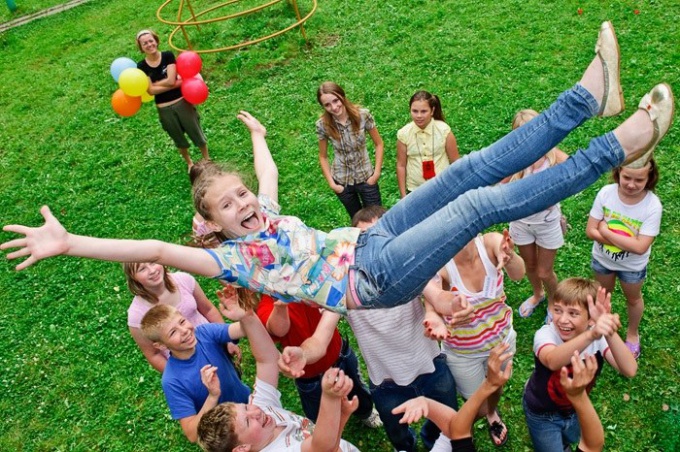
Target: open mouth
{"points": [[251, 221]]}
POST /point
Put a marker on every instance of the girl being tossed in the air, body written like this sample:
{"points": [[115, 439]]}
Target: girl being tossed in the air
{"points": [[391, 262]]}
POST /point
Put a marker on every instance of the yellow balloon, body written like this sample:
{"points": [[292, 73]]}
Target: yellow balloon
{"points": [[133, 82], [146, 97]]}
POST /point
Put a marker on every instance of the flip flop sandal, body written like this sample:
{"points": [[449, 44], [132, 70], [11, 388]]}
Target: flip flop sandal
{"points": [[496, 430], [634, 349], [528, 307]]}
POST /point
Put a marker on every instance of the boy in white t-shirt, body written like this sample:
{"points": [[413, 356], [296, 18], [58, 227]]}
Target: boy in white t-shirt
{"points": [[263, 424], [583, 323]]}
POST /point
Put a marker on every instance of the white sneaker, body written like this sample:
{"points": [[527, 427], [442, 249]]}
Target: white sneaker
{"points": [[373, 421]]}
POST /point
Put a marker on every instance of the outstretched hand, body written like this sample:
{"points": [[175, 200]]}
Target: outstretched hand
{"points": [[495, 374], [505, 251], [229, 305], [414, 410], [50, 239], [210, 380], [252, 123], [292, 362], [601, 305], [583, 373]]}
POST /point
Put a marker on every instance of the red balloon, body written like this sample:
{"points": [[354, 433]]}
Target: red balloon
{"points": [[125, 105], [188, 64], [194, 90]]}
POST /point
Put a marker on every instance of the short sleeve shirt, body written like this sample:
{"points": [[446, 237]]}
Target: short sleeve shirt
{"points": [[643, 218], [543, 392], [181, 380], [428, 144], [351, 163], [289, 260], [297, 428], [160, 72]]}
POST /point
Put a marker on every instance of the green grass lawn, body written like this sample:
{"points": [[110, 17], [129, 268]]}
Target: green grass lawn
{"points": [[72, 378]]}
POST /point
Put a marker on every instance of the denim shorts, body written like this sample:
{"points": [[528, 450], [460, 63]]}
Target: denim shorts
{"points": [[624, 276]]}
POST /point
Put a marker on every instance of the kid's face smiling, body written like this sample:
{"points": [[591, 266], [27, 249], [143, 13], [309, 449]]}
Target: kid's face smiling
{"points": [[234, 209], [178, 334], [569, 320], [150, 274], [254, 426]]}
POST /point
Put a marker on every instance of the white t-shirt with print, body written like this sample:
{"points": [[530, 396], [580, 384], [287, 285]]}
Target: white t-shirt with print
{"points": [[297, 428], [643, 218]]}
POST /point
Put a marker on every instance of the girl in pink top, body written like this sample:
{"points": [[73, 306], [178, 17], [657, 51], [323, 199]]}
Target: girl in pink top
{"points": [[152, 284]]}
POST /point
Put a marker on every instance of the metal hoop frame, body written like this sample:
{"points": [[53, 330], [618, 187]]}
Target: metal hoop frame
{"points": [[181, 24]]}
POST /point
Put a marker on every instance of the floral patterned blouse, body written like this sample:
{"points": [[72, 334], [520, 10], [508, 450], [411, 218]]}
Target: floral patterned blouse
{"points": [[289, 260]]}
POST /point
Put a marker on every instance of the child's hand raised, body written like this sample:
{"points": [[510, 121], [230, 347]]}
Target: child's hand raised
{"points": [[414, 410], [583, 373], [606, 325], [252, 123], [495, 374], [229, 305], [292, 362], [211, 380], [602, 304], [50, 239], [505, 251], [335, 383], [349, 406]]}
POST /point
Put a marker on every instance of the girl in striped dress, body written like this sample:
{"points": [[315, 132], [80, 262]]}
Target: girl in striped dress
{"points": [[476, 274]]}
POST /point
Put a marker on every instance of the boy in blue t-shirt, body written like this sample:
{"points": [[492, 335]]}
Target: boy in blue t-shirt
{"points": [[199, 374]]}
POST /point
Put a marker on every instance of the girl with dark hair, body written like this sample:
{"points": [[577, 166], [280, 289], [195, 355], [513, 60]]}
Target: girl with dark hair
{"points": [[426, 145]]}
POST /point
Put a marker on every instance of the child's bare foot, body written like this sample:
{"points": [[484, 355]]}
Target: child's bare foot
{"points": [[497, 429], [640, 133], [601, 78]]}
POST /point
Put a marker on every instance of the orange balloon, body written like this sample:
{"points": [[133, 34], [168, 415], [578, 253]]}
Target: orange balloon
{"points": [[125, 105]]}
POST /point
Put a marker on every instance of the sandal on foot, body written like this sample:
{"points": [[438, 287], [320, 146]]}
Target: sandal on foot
{"points": [[658, 103], [528, 307], [634, 349], [607, 48], [496, 430]]}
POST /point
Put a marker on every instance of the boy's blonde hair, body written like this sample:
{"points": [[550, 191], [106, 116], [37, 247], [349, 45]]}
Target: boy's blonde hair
{"points": [[521, 118], [216, 429], [154, 320], [575, 291], [131, 268]]}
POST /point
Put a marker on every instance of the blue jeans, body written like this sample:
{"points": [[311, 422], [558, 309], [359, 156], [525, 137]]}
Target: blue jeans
{"points": [[438, 385], [552, 432], [355, 197], [627, 277], [396, 258], [309, 389]]}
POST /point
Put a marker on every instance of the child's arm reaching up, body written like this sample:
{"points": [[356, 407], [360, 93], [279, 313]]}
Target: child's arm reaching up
{"points": [[592, 433], [335, 386], [458, 425], [265, 168], [261, 345], [52, 239], [618, 355]]}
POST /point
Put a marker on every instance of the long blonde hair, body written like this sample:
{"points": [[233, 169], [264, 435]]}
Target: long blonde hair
{"points": [[521, 118]]}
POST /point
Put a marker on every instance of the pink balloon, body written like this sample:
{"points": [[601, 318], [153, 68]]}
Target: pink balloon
{"points": [[188, 64], [194, 90]]}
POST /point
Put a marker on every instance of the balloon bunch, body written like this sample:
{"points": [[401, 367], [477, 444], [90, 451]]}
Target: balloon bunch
{"points": [[194, 89], [133, 83]]}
